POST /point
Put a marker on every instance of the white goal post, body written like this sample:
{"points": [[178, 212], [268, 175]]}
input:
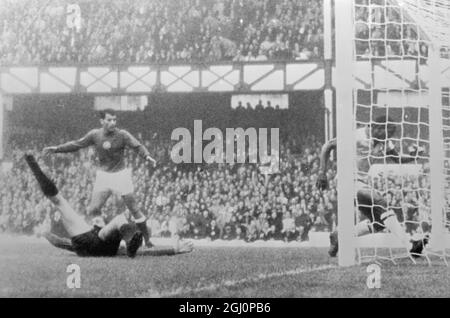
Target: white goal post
{"points": [[1, 128], [345, 134], [391, 49]]}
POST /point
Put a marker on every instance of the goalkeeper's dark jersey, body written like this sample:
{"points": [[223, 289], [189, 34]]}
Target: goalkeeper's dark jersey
{"points": [[109, 147]]}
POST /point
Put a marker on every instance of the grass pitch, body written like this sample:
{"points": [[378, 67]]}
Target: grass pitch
{"points": [[34, 268]]}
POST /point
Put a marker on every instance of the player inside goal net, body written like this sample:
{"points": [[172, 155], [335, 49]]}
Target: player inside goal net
{"points": [[394, 67]]}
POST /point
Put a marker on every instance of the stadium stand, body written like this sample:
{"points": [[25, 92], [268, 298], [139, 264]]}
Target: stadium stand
{"points": [[157, 31]]}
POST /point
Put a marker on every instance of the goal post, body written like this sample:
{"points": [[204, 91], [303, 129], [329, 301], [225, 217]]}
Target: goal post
{"points": [[388, 61], [436, 151], [2, 114], [345, 133]]}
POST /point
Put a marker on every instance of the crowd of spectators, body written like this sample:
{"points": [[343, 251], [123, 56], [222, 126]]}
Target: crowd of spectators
{"points": [[215, 201], [159, 31]]}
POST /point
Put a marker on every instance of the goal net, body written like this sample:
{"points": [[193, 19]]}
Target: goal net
{"points": [[392, 62]]}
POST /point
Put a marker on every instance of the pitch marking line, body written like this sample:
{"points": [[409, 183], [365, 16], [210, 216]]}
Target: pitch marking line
{"points": [[231, 283]]}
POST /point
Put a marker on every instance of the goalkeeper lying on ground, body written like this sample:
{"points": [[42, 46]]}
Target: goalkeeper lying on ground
{"points": [[87, 241]]}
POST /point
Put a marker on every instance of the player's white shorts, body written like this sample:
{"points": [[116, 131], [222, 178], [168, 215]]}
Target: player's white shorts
{"points": [[119, 182]]}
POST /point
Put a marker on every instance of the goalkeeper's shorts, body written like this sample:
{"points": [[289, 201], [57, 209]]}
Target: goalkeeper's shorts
{"points": [[90, 244]]}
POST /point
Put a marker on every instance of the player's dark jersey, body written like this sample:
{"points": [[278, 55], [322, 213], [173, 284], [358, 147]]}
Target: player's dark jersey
{"points": [[109, 147]]}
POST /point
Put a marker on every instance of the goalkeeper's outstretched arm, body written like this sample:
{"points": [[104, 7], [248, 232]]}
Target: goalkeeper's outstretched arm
{"points": [[325, 154], [322, 182], [182, 248]]}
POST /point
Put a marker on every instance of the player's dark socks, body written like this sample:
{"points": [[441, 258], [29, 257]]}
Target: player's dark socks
{"points": [[132, 238], [142, 227], [334, 246], [418, 246], [134, 244], [59, 242], [47, 186]]}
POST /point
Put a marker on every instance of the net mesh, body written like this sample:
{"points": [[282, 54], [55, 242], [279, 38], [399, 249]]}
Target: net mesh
{"points": [[392, 43], [446, 135], [433, 17]]}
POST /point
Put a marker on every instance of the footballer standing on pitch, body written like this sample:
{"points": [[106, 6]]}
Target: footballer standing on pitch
{"points": [[112, 175]]}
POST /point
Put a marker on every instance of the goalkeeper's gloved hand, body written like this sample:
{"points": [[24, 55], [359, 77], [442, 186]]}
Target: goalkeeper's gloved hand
{"points": [[322, 181]]}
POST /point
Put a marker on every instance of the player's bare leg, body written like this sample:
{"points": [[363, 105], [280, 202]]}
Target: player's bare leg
{"points": [[73, 222], [139, 217], [98, 200], [112, 227], [383, 218], [380, 213]]}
